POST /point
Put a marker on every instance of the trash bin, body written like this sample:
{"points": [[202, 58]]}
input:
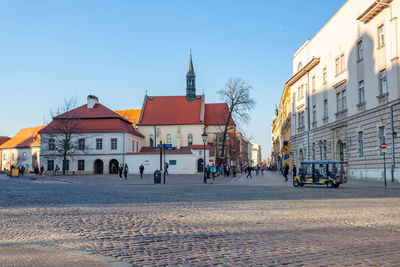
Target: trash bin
{"points": [[157, 177]]}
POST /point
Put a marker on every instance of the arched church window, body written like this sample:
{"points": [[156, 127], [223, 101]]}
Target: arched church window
{"points": [[168, 139], [190, 140], [151, 140]]}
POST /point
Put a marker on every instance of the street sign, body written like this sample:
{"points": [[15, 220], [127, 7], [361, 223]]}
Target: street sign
{"points": [[164, 145], [170, 148], [384, 145]]}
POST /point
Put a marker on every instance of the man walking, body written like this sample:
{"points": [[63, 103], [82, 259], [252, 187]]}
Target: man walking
{"points": [[126, 171], [286, 172], [141, 170], [294, 171], [120, 169], [213, 171], [249, 169]]}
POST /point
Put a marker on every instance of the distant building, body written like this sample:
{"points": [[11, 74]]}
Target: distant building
{"points": [[22, 150], [3, 139], [255, 153]]}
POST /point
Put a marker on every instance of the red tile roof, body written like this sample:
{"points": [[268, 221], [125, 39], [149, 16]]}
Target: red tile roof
{"points": [[27, 137], [217, 114], [171, 110], [84, 120], [4, 139]]}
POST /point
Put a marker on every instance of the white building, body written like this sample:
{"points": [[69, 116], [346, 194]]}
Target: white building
{"points": [[345, 90], [100, 140], [22, 150]]}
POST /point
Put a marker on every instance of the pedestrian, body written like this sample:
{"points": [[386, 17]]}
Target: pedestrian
{"points": [[141, 170], [262, 169], [257, 169], [249, 169], [285, 171], [126, 170], [120, 169], [36, 170], [41, 169], [22, 170], [221, 170], [166, 169], [294, 170], [208, 171], [213, 171], [227, 170]]}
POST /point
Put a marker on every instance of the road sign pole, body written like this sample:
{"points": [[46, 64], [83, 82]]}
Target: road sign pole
{"points": [[384, 167]]}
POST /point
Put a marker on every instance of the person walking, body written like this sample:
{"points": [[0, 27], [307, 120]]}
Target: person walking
{"points": [[41, 169], [166, 169], [221, 170], [120, 169], [285, 171], [208, 171], [257, 169], [294, 170], [213, 171], [249, 169], [126, 170], [262, 169], [141, 170]]}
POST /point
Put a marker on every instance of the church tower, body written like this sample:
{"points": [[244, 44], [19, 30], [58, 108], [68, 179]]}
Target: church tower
{"points": [[190, 82]]}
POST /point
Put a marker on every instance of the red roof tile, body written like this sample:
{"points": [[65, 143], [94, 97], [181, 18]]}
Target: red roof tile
{"points": [[171, 110], [217, 114], [4, 139], [84, 120], [27, 137]]}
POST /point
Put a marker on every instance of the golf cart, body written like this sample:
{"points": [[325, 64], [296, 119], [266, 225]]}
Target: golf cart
{"points": [[331, 173]]}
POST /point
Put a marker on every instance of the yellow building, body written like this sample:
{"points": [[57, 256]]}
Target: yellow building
{"points": [[281, 131]]}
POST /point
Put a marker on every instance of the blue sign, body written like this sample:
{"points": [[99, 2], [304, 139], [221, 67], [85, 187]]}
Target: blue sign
{"points": [[287, 156], [170, 148], [164, 145]]}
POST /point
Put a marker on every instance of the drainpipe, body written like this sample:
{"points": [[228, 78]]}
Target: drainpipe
{"points": [[123, 149], [393, 136]]}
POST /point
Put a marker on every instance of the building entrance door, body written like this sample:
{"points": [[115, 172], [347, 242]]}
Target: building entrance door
{"points": [[98, 166], [200, 165], [113, 166]]}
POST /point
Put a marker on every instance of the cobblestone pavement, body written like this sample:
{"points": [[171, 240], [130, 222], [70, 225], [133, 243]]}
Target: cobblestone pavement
{"points": [[258, 222]]}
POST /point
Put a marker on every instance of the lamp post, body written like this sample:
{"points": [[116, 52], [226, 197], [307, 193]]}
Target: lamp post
{"points": [[234, 162], [204, 136]]}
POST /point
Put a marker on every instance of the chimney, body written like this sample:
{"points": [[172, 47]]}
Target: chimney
{"points": [[91, 101]]}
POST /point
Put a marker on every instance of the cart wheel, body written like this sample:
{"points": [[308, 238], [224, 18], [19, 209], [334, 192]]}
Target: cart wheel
{"points": [[296, 183], [329, 184]]}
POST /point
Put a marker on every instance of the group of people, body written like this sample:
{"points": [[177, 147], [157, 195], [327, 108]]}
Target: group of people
{"points": [[124, 170], [221, 170]]}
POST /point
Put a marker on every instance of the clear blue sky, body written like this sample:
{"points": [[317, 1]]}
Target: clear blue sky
{"points": [[116, 50]]}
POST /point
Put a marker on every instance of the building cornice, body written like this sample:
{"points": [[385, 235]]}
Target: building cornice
{"points": [[310, 65]]}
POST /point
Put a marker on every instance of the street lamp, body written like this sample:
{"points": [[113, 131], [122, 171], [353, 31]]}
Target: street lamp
{"points": [[234, 161], [204, 136]]}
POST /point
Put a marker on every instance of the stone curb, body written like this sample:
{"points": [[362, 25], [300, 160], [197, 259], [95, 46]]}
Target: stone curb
{"points": [[112, 261]]}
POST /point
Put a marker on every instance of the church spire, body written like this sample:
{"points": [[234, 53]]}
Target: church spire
{"points": [[190, 81]]}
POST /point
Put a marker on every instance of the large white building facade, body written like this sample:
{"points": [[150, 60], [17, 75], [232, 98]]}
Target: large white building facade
{"points": [[345, 90]]}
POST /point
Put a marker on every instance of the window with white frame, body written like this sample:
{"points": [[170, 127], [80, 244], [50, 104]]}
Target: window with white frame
{"points": [[325, 108], [383, 82], [339, 64], [52, 144], [361, 92], [137, 146], [81, 165], [341, 101], [50, 165], [133, 145], [381, 136], [360, 50], [381, 35], [360, 144], [325, 150], [113, 143], [168, 139], [81, 144], [314, 113], [99, 143], [24, 156]]}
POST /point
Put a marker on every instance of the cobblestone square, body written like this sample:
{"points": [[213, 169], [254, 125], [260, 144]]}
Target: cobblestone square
{"points": [[233, 222]]}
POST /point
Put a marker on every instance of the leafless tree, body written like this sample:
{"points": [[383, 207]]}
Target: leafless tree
{"points": [[236, 94], [62, 130]]}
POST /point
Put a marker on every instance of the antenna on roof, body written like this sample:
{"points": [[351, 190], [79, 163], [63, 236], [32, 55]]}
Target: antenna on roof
{"points": [[146, 91]]}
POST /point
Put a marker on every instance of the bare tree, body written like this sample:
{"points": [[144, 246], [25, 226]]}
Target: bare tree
{"points": [[236, 94], [61, 131]]}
